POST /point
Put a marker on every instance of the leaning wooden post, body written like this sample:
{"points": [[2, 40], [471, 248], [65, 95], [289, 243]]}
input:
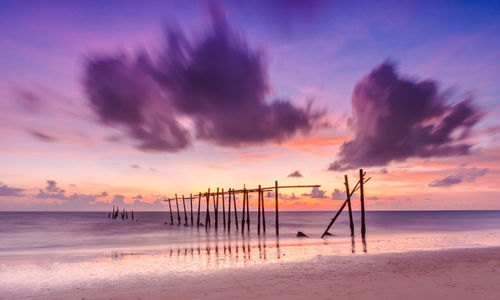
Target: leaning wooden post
{"points": [[191, 196], [199, 206], [276, 207], [362, 198], [248, 214], [207, 216], [235, 210], [263, 212], [258, 212], [178, 213], [185, 213], [223, 210], [244, 207], [170, 208], [351, 223]]}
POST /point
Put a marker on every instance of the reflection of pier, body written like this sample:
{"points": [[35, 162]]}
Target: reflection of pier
{"points": [[231, 205]]}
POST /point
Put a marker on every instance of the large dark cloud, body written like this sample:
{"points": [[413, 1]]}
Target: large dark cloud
{"points": [[123, 94], [462, 175], [395, 118], [214, 80]]}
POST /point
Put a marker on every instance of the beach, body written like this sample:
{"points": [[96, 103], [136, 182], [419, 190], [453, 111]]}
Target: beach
{"points": [[457, 274]]}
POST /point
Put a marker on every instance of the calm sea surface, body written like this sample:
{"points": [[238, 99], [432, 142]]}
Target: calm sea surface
{"points": [[45, 233]]}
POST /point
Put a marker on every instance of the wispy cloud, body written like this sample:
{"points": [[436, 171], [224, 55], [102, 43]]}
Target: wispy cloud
{"points": [[462, 175]]}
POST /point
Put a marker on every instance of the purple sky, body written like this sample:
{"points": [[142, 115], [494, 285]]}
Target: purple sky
{"points": [[126, 102]]}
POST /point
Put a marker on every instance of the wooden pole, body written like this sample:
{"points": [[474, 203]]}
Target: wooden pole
{"points": [[170, 208], [276, 209], [351, 222], [263, 211], [362, 198], [207, 216], [235, 210], [223, 210], [191, 197], [185, 213], [229, 211], [216, 209], [178, 212], [199, 206], [248, 214], [258, 211], [243, 215]]}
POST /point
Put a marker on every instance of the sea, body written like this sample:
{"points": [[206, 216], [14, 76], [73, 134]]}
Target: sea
{"points": [[46, 249]]}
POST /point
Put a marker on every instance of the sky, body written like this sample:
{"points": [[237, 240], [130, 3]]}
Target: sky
{"points": [[126, 103]]}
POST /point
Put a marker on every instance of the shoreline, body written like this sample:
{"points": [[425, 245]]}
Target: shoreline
{"points": [[452, 273]]}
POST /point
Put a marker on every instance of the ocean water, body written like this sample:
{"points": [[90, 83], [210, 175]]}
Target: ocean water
{"points": [[42, 233], [45, 250]]}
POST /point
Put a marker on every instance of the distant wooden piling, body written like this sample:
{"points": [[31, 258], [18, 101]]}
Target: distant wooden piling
{"points": [[351, 222], [258, 210], [362, 198], [185, 213], [132, 215], [235, 210], [263, 212], [216, 208], [191, 198], [243, 211], [276, 207], [248, 213], [229, 211], [207, 216], [223, 210], [170, 208], [178, 212], [199, 207]]}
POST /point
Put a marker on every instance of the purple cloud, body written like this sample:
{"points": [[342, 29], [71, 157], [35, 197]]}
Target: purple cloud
{"points": [[216, 80], [395, 118], [338, 195], [316, 193], [53, 191], [463, 175], [295, 174], [6, 191]]}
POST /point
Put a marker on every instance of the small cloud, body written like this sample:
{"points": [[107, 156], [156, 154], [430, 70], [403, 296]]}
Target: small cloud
{"points": [[135, 166], [295, 174], [10, 191], [138, 197], [153, 170], [42, 136], [372, 198], [384, 171], [463, 175], [338, 195], [316, 193]]}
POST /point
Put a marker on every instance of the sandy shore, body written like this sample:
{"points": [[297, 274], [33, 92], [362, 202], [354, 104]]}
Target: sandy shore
{"points": [[449, 274]]}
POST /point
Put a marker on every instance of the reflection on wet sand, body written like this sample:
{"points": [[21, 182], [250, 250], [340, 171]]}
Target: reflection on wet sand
{"points": [[219, 250]]}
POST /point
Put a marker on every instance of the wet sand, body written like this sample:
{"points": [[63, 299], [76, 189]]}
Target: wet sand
{"points": [[444, 274]]}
